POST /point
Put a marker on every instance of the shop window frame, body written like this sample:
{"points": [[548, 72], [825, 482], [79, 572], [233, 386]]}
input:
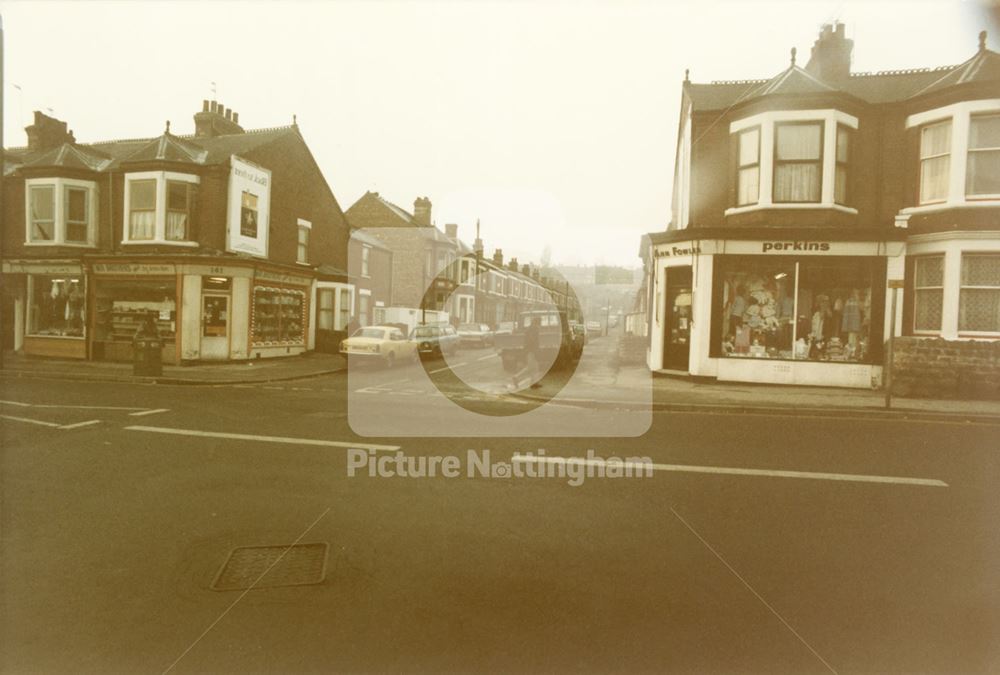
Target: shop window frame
{"points": [[876, 334], [161, 178], [60, 207], [30, 317]]}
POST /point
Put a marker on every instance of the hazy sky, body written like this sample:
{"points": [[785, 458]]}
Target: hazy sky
{"points": [[554, 123]]}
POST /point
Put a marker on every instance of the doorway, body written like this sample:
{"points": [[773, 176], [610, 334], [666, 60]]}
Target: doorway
{"points": [[677, 319], [214, 327]]}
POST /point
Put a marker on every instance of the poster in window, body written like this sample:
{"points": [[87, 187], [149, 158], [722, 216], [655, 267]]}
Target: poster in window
{"points": [[249, 208]]}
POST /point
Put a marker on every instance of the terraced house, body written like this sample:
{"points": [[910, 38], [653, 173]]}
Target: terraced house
{"points": [[224, 238], [799, 201]]}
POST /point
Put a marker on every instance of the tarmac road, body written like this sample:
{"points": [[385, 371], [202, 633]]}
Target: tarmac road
{"points": [[824, 544]]}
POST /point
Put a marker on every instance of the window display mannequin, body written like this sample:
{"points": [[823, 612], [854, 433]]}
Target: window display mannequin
{"points": [[851, 320]]}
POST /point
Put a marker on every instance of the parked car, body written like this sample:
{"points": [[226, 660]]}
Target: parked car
{"points": [[555, 341], [435, 340], [386, 345], [475, 334]]}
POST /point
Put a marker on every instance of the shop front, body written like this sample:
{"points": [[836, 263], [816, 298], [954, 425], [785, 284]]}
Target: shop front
{"points": [[788, 312], [45, 308], [126, 295], [279, 314]]}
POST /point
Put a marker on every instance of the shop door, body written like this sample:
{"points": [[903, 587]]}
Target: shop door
{"points": [[214, 327], [677, 319]]}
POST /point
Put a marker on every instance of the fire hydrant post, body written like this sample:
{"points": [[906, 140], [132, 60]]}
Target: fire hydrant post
{"points": [[147, 350]]}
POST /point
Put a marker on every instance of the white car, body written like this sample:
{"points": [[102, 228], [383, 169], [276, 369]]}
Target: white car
{"points": [[378, 344]]}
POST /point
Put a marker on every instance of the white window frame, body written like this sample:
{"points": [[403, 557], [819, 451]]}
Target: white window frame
{"points": [[59, 187], [337, 289], [160, 226], [953, 245], [960, 115], [366, 253], [916, 263], [767, 122], [302, 226], [970, 150], [975, 333]]}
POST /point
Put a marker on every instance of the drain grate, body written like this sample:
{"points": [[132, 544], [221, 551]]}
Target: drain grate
{"points": [[297, 565]]}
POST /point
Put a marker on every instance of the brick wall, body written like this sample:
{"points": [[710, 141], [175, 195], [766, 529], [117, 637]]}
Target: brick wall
{"points": [[937, 368]]}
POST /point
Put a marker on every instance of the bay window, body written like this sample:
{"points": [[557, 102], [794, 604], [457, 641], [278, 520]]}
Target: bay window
{"points": [[60, 212], [798, 162], [159, 208], [959, 156], [793, 159], [928, 293], [979, 294]]}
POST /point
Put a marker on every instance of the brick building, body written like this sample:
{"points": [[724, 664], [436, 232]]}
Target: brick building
{"points": [[798, 198], [221, 237]]}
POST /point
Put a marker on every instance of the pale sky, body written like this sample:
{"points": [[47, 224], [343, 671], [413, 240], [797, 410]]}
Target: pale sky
{"points": [[554, 123]]}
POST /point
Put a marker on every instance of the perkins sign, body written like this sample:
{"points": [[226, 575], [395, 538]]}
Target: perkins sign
{"points": [[795, 246]]}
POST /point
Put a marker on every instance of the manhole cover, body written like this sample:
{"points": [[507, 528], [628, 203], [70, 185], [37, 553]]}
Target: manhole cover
{"points": [[270, 566]]}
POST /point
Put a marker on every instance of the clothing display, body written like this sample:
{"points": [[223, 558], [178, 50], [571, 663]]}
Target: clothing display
{"points": [[851, 320]]}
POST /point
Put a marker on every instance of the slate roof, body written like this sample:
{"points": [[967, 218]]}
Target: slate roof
{"points": [[110, 155], [880, 87]]}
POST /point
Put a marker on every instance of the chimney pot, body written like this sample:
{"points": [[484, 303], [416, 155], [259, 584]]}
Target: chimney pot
{"points": [[228, 114], [236, 118], [204, 105]]}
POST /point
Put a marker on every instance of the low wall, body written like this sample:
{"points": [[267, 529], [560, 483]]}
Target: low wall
{"points": [[937, 368]]}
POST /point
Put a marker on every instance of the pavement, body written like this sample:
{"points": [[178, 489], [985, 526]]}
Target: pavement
{"points": [[313, 364], [599, 382]]}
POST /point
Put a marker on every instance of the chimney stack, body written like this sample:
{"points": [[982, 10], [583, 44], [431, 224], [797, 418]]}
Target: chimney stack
{"points": [[47, 133], [451, 229], [216, 119], [830, 60], [512, 265], [422, 212], [498, 257]]}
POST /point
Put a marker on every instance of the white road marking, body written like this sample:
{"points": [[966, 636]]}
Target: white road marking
{"points": [[74, 407], [488, 356], [734, 471], [154, 411], [80, 424], [265, 439], [29, 421]]}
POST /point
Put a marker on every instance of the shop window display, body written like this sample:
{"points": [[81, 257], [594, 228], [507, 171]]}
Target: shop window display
{"points": [[123, 305], [56, 306], [816, 310], [278, 316]]}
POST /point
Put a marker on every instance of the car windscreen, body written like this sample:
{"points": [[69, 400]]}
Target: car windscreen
{"points": [[377, 333], [425, 332]]}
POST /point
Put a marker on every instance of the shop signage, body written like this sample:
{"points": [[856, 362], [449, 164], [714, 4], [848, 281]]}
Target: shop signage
{"points": [[135, 269], [277, 277], [28, 267], [795, 246], [249, 210], [679, 250]]}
